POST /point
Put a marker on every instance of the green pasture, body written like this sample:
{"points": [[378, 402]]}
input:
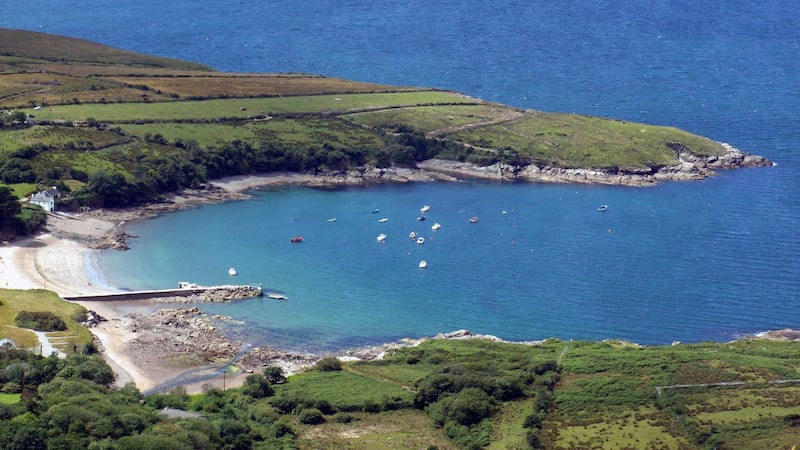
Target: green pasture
{"points": [[430, 118], [344, 390], [9, 399], [607, 394], [58, 137], [241, 108], [292, 132], [568, 140], [404, 429], [22, 189], [14, 301]]}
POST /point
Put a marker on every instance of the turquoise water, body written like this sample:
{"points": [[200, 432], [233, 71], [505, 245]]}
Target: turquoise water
{"points": [[683, 261]]}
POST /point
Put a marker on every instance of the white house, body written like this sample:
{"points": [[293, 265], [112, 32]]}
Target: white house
{"points": [[46, 199]]}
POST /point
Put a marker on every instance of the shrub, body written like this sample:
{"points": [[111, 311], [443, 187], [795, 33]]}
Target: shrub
{"points": [[330, 364], [257, 386], [40, 321], [342, 418], [311, 416], [275, 375]]}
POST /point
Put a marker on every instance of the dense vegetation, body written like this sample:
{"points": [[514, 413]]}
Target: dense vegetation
{"points": [[440, 394], [112, 128], [40, 321]]}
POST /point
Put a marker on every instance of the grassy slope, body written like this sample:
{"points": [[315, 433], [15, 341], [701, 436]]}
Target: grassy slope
{"points": [[14, 301]]}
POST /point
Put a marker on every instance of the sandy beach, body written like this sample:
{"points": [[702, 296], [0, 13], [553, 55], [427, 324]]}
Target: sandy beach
{"points": [[60, 260]]}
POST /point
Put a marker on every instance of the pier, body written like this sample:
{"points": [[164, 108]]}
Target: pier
{"points": [[225, 292]]}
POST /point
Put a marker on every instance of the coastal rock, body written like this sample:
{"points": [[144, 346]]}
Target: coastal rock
{"points": [[289, 362], [93, 319], [179, 336]]}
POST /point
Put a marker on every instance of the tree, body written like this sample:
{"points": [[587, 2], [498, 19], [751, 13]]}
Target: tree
{"points": [[275, 375], [257, 386], [9, 207]]}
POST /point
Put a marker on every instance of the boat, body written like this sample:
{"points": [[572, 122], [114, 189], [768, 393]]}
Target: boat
{"points": [[383, 220], [381, 237], [423, 264], [602, 208], [296, 239], [421, 218], [232, 271], [420, 240], [425, 209], [473, 219], [436, 226], [276, 296], [332, 219], [412, 235], [376, 211]]}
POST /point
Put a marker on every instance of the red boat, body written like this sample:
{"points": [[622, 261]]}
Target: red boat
{"points": [[297, 239]]}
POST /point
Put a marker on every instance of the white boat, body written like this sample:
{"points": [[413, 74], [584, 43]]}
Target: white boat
{"points": [[412, 235], [423, 264], [276, 296], [425, 209], [602, 208], [473, 219], [381, 237], [332, 219], [232, 272], [436, 226], [383, 220], [420, 240]]}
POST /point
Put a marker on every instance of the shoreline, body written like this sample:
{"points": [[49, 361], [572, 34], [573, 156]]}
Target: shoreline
{"points": [[60, 260]]}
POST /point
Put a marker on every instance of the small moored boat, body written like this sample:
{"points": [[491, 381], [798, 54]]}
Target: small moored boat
{"points": [[376, 211], [425, 209], [436, 226], [421, 218], [423, 264], [232, 271], [332, 219], [381, 237], [412, 235], [602, 208], [276, 296], [383, 220], [473, 219], [420, 240], [296, 239]]}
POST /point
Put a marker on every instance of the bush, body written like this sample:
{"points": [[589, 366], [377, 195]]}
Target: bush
{"points": [[311, 416], [342, 418], [330, 364], [40, 321], [257, 386]]}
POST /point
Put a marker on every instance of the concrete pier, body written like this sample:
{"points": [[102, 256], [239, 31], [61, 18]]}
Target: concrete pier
{"points": [[186, 290]]}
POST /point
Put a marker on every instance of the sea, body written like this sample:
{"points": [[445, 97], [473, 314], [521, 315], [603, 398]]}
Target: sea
{"points": [[682, 261]]}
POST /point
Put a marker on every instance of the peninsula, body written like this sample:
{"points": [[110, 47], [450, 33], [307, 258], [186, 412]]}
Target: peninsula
{"points": [[113, 128]]}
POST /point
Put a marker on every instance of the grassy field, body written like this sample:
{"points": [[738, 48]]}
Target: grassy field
{"points": [[243, 107], [430, 118], [566, 140], [14, 301], [9, 399], [607, 397]]}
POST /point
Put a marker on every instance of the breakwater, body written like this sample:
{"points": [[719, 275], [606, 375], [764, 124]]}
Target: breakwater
{"points": [[205, 293]]}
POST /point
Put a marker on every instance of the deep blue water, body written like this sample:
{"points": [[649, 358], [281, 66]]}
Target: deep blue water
{"points": [[683, 261]]}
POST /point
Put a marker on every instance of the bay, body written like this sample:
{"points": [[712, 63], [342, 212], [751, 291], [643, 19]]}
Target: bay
{"points": [[683, 261]]}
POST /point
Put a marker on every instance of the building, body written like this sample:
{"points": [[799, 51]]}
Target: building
{"points": [[46, 199]]}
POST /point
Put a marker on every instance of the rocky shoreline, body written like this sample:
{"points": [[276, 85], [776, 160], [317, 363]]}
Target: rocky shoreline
{"points": [[690, 167]]}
